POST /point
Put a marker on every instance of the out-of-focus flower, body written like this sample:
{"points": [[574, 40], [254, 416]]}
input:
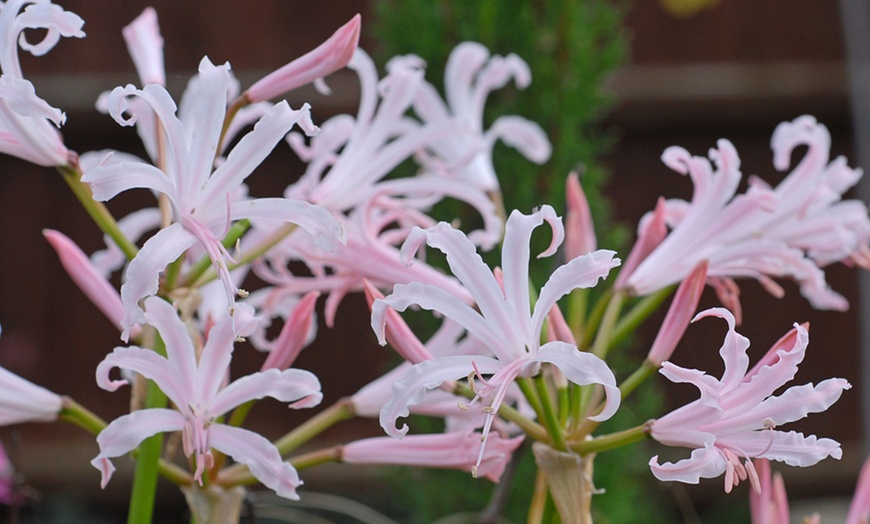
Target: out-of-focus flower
{"points": [[204, 201], [196, 389], [503, 322], [736, 416], [28, 124], [469, 76], [579, 229], [455, 450], [789, 231]]}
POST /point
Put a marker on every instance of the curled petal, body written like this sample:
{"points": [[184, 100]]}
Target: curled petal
{"points": [[583, 369]]}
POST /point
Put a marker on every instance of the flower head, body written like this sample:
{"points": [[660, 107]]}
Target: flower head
{"points": [[736, 416], [504, 321], [196, 388], [789, 231]]}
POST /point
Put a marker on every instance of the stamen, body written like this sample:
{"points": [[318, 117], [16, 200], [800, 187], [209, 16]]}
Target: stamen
{"points": [[753, 477], [462, 406], [474, 472], [242, 293], [489, 409], [240, 339]]}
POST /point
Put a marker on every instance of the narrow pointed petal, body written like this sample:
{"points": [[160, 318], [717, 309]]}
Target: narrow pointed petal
{"points": [[583, 369], [425, 376], [125, 433], [142, 276], [261, 457], [396, 331], [859, 510], [581, 272], [704, 463], [301, 388], [330, 56]]}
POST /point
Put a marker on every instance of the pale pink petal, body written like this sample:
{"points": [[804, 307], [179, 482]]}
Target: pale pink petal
{"points": [[289, 385], [148, 364], [125, 433], [425, 376], [142, 276], [110, 179], [24, 401], [176, 338], [584, 369], [396, 331], [145, 46], [705, 462], [581, 272], [261, 457]]}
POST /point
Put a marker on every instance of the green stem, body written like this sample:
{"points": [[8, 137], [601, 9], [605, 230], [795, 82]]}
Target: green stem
{"points": [[97, 210], [242, 476], [594, 319], [578, 304], [144, 491], [528, 390], [646, 370], [341, 410], [249, 255], [550, 417], [613, 440], [76, 414], [640, 312], [605, 330]]}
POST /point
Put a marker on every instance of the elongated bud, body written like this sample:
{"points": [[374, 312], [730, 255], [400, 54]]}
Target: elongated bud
{"points": [[397, 332], [328, 57], [651, 233], [80, 269], [859, 510], [145, 46], [293, 335], [579, 231], [679, 315]]}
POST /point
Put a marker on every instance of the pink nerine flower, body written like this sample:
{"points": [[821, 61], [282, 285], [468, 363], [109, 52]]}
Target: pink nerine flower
{"points": [[196, 389], [28, 124], [736, 416], [789, 231], [204, 200], [503, 321], [456, 450]]}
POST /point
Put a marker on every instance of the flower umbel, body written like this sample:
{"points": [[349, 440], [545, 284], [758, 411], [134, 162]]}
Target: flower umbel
{"points": [[736, 416]]}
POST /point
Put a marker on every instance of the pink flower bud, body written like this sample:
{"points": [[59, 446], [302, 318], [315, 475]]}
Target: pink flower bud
{"points": [[579, 231], [651, 232], [293, 335], [679, 315], [328, 57], [397, 332]]}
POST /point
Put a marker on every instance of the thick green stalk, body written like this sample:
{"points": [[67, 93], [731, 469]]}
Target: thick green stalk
{"points": [[637, 314], [550, 417], [341, 410], [528, 390], [613, 440], [605, 330], [76, 414], [144, 491], [594, 319], [97, 211], [646, 370]]}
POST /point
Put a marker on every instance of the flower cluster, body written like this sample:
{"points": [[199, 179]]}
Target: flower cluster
{"points": [[511, 361]]}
